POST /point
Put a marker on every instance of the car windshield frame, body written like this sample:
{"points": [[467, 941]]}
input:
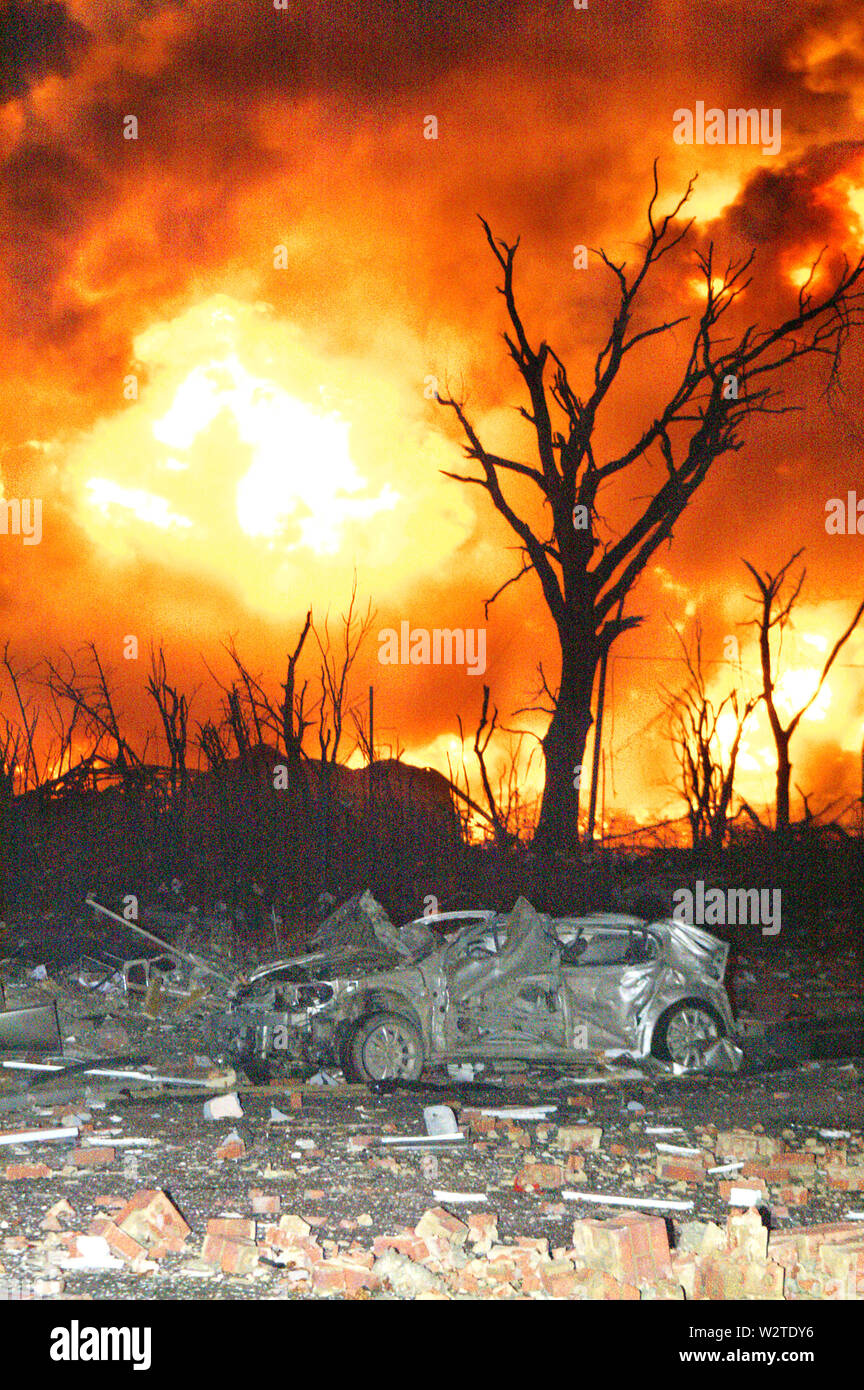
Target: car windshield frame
{"points": [[651, 945]]}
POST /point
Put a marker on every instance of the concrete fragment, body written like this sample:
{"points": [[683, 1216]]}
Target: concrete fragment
{"points": [[406, 1278], [223, 1107]]}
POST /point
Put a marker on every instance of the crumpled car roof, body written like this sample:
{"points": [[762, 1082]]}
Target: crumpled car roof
{"points": [[360, 924]]}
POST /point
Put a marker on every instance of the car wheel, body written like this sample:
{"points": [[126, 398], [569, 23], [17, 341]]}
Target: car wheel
{"points": [[683, 1029], [256, 1068], [383, 1047]]}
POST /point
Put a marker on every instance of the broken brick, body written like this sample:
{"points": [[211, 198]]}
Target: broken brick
{"points": [[443, 1225], [231, 1256], [232, 1228], [539, 1175], [678, 1168], [151, 1218], [93, 1157], [264, 1203], [119, 1242]]}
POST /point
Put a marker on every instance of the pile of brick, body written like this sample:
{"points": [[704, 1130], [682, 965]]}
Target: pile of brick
{"points": [[824, 1261], [622, 1257], [789, 1175], [144, 1229], [625, 1256], [735, 1262]]}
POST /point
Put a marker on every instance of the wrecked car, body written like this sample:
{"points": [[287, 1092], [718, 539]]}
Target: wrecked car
{"points": [[384, 1002]]}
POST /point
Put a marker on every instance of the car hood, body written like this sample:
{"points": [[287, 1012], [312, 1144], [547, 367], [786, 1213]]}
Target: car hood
{"points": [[335, 964], [355, 939]]}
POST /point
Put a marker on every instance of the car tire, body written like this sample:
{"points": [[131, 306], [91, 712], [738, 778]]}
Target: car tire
{"points": [[257, 1069], [696, 1013], [383, 1047]]}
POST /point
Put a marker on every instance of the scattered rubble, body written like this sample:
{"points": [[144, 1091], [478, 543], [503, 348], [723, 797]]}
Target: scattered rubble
{"points": [[132, 1166]]}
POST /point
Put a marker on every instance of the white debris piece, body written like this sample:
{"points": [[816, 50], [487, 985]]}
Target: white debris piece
{"points": [[745, 1197], [520, 1112], [39, 1136], [678, 1149], [460, 1196], [609, 1079], [95, 1141], [93, 1253], [225, 1107], [603, 1199], [406, 1141], [440, 1119], [155, 1077], [34, 1066], [464, 1071]]}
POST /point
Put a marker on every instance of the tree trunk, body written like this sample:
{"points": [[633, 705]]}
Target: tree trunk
{"points": [[784, 773], [564, 751]]}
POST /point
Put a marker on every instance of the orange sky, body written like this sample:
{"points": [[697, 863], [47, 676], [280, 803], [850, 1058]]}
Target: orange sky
{"points": [[283, 435]]}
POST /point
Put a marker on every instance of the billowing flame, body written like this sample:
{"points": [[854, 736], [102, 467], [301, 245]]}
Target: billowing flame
{"points": [[247, 453]]}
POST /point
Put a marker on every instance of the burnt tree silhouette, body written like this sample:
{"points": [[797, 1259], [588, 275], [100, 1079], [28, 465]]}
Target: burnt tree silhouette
{"points": [[707, 770], [334, 704], [584, 578], [774, 611], [173, 706]]}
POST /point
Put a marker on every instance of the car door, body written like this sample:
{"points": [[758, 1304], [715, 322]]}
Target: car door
{"points": [[610, 975], [504, 991]]}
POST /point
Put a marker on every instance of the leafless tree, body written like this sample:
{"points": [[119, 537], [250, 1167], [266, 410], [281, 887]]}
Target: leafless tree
{"points": [[460, 786], [89, 694], [10, 765], [483, 735], [212, 743], [774, 609], [284, 720], [173, 707], [707, 774], [28, 772], [46, 759], [725, 380], [506, 813], [65, 750], [335, 672]]}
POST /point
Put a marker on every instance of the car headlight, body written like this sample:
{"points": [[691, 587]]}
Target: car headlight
{"points": [[310, 995]]}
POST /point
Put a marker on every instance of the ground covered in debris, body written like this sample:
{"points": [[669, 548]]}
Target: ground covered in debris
{"points": [[302, 1195], [728, 1186]]}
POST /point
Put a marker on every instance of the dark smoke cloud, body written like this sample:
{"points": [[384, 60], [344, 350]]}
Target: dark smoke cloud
{"points": [[36, 38]]}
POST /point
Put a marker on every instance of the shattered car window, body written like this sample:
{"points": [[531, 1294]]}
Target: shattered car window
{"points": [[604, 947], [480, 943]]}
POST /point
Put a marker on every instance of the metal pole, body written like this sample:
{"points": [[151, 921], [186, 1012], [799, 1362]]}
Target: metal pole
{"points": [[195, 961], [598, 735]]}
